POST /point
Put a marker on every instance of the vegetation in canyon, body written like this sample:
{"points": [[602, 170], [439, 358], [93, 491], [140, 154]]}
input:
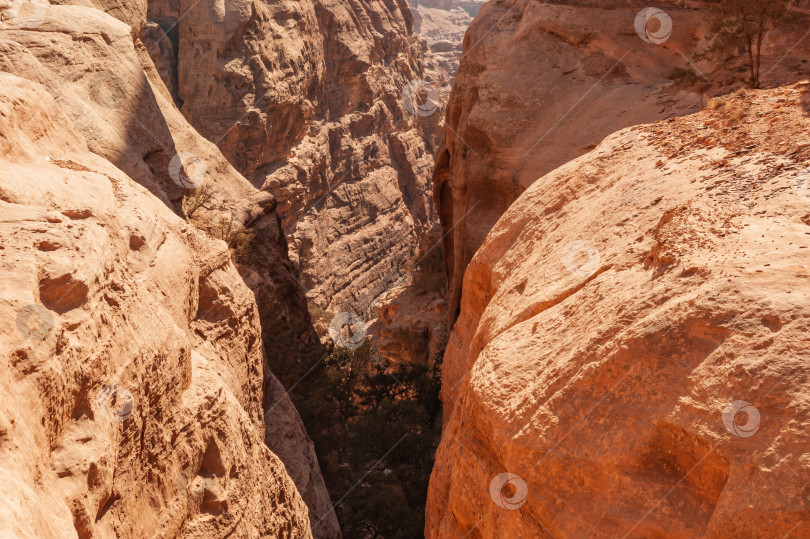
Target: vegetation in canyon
{"points": [[375, 427], [743, 25], [576, 312]]}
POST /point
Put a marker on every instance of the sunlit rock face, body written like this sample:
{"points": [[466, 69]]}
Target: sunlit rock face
{"points": [[541, 83], [135, 384], [631, 353]]}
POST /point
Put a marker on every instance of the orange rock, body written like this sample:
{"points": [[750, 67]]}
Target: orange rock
{"points": [[134, 391], [632, 348], [305, 99], [542, 83]]}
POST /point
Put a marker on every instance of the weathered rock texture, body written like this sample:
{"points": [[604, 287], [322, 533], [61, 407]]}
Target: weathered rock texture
{"points": [[410, 327], [140, 299], [305, 99], [132, 12], [408, 318], [443, 24], [614, 312], [410, 322], [541, 83], [443, 31]]}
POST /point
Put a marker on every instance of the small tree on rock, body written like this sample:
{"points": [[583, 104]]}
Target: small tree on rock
{"points": [[743, 24]]}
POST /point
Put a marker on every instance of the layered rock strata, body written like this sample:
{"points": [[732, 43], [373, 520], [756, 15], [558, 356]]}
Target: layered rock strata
{"points": [[308, 100]]}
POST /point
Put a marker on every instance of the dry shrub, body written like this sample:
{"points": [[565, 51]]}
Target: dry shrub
{"points": [[734, 107], [201, 197]]}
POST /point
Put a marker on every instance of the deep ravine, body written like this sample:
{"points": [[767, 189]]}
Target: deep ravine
{"points": [[441, 268]]}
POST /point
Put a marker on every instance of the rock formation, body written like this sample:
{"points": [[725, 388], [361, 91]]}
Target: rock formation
{"points": [[442, 25], [316, 112], [410, 327], [131, 12], [443, 31], [631, 353], [408, 324], [306, 100], [541, 83], [138, 397]]}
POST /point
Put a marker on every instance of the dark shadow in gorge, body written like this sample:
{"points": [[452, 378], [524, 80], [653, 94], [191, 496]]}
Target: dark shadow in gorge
{"points": [[353, 412], [375, 426], [375, 429]]}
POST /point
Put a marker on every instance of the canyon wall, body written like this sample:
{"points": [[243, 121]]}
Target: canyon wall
{"points": [[306, 100], [631, 355], [541, 83], [443, 29], [138, 400]]}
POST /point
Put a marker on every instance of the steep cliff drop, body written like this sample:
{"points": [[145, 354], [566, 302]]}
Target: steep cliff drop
{"points": [[320, 104], [631, 354], [135, 376]]}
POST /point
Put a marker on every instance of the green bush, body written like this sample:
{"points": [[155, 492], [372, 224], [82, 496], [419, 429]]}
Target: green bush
{"points": [[375, 430]]}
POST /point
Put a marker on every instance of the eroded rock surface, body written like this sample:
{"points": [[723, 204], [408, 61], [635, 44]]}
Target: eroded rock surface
{"points": [[407, 318], [99, 169], [305, 99], [410, 326], [132, 387], [541, 83], [632, 344]]}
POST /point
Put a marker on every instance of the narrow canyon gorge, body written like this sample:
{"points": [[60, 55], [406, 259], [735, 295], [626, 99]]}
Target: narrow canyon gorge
{"points": [[405, 268]]}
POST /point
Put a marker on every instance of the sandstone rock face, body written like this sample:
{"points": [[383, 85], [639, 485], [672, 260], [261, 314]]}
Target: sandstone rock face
{"points": [[442, 28], [410, 327], [98, 166], [114, 97], [305, 99], [132, 386], [541, 83], [632, 346], [408, 318], [161, 49], [287, 439], [131, 12], [443, 31]]}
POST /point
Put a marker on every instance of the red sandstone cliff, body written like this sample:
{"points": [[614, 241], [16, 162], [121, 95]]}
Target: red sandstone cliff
{"points": [[541, 83], [137, 397], [631, 353], [306, 100]]}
